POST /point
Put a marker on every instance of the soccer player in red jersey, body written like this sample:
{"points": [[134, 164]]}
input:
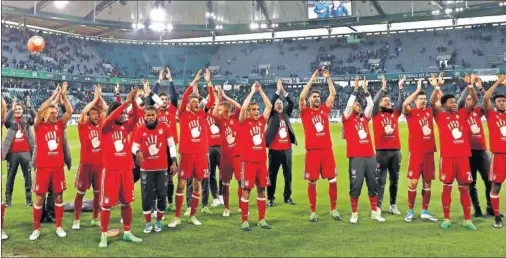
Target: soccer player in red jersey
{"points": [[88, 173], [3, 112], [117, 162], [150, 145], [455, 148], [253, 155], [319, 160], [230, 164], [49, 158], [193, 148], [496, 120], [388, 145], [359, 150], [422, 146], [480, 158]]}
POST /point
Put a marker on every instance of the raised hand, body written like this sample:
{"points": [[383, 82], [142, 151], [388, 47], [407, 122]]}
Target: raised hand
{"points": [[161, 76], [258, 86], [401, 82], [478, 83], [147, 89], [364, 84], [64, 88], [433, 80], [473, 78], [384, 83], [207, 75], [131, 96], [419, 85], [168, 75], [279, 85], [315, 75], [254, 86], [440, 79], [28, 101], [116, 88], [355, 83], [14, 102], [326, 73]]}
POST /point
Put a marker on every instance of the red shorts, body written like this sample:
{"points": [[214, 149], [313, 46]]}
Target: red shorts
{"points": [[455, 168], [421, 164], [46, 176], [117, 184], [254, 173], [320, 162], [230, 166], [498, 168], [88, 175], [193, 166]]}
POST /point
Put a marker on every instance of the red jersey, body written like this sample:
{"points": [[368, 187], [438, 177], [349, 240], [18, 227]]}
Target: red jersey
{"points": [[282, 140], [497, 131], [476, 132], [421, 131], [453, 134], [20, 142], [214, 130], [168, 116], [153, 145], [386, 130], [229, 130], [252, 135], [316, 127], [49, 150], [358, 137], [91, 149], [116, 147], [137, 115]]}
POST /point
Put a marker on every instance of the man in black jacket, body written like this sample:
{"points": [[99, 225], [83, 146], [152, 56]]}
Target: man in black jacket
{"points": [[279, 138]]}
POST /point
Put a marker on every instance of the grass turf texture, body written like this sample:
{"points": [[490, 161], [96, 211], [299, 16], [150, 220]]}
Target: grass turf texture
{"points": [[292, 233]]}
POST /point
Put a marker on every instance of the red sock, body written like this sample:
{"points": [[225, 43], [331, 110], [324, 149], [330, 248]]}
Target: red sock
{"points": [[374, 202], [58, 211], [494, 199], [226, 195], [426, 198], [37, 213], [78, 205], [126, 214], [465, 201], [105, 217], [311, 193], [261, 208], [411, 198], [3, 212], [446, 200], [179, 203], [239, 193], [147, 216], [333, 194], [159, 215], [244, 209], [354, 203], [195, 203], [96, 205]]}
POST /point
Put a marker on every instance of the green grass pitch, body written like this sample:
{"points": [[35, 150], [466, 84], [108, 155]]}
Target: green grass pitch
{"points": [[292, 234]]}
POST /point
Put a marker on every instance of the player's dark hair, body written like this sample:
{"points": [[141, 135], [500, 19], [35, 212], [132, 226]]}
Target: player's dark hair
{"points": [[92, 109], [193, 96], [227, 105], [162, 94], [498, 96], [446, 97], [150, 108], [421, 93], [315, 91], [113, 106]]}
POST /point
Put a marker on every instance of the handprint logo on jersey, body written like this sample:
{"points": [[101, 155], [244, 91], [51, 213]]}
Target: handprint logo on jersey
{"points": [[502, 127], [256, 133], [424, 123], [195, 128], [118, 140], [51, 140], [362, 134], [19, 133], [152, 142], [95, 142], [475, 129], [229, 136], [318, 123], [454, 127], [212, 124], [387, 126], [164, 119], [282, 130]]}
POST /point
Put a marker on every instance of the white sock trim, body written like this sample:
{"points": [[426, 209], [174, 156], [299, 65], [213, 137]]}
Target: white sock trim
{"points": [[37, 207], [494, 196], [79, 192], [179, 194], [58, 204], [260, 199], [244, 200], [411, 190], [105, 209], [426, 189], [146, 212], [196, 197], [333, 180]]}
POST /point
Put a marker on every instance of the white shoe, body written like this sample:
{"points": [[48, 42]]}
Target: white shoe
{"points": [[175, 221], [148, 228], [4, 235], [188, 212], [121, 221], [76, 225], [220, 198], [226, 213], [378, 210], [35, 235], [376, 216], [393, 209], [354, 218], [60, 232], [215, 203], [195, 221]]}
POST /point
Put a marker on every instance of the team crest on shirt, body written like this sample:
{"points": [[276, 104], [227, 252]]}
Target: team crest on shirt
{"points": [[427, 114], [166, 113], [443, 176], [106, 200], [160, 131], [457, 116], [144, 134], [122, 127], [474, 114], [36, 187], [55, 127], [307, 175], [246, 183], [410, 173], [232, 122], [336, 172], [493, 176]]}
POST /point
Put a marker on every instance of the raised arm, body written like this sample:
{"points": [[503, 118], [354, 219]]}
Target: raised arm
{"points": [[349, 105], [31, 111], [218, 103], [43, 106], [487, 104], [379, 95], [68, 107], [305, 91], [184, 100], [117, 93], [172, 89], [109, 120], [244, 108], [232, 101], [275, 96], [332, 89], [84, 114], [461, 102], [267, 103], [368, 99], [435, 96], [289, 107], [211, 98], [4, 108], [406, 105], [10, 113], [400, 99]]}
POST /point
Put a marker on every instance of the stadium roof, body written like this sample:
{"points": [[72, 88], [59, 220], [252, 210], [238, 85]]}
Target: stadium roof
{"points": [[191, 18]]}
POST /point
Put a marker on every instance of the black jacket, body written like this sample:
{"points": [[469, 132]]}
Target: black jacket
{"points": [[274, 121]]}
